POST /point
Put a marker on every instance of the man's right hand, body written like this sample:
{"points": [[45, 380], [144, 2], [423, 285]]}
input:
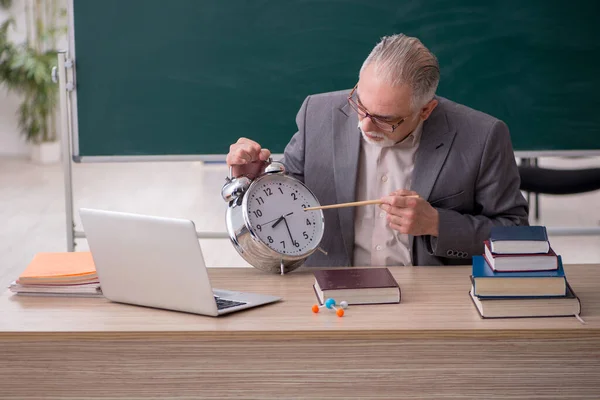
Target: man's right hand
{"points": [[246, 157]]}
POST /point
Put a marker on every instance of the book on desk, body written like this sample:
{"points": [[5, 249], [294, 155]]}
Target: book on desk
{"points": [[519, 240], [71, 274], [515, 262], [487, 282], [357, 286], [527, 306]]}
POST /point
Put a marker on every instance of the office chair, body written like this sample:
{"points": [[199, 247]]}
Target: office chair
{"points": [[555, 181], [538, 180]]}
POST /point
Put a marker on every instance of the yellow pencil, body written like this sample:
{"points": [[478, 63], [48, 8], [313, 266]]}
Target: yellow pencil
{"points": [[353, 204]]}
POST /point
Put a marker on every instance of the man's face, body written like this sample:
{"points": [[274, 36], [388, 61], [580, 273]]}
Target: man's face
{"points": [[389, 104]]}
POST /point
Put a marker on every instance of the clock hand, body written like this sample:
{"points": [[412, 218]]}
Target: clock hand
{"points": [[288, 229], [268, 222], [278, 220]]}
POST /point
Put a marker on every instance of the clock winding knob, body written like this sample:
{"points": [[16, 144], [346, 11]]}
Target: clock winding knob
{"points": [[275, 167], [235, 188]]}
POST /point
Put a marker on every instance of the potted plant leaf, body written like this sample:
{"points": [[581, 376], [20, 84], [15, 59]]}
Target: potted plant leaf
{"points": [[26, 69]]}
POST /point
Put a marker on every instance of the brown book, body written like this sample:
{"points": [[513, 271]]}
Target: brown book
{"points": [[357, 286], [520, 262]]}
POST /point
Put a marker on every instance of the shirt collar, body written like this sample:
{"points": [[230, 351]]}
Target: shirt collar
{"points": [[414, 137]]}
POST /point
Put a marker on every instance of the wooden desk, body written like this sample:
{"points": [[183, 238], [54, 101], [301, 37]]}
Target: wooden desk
{"points": [[432, 345]]}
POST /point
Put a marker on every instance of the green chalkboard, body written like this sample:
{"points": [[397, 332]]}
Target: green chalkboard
{"points": [[188, 77]]}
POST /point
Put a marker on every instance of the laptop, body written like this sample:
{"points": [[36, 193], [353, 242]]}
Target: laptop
{"points": [[157, 262]]}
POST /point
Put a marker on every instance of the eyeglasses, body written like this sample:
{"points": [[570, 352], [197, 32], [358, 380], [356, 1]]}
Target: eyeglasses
{"points": [[377, 121]]}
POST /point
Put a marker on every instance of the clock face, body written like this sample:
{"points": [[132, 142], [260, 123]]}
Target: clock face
{"points": [[275, 205]]}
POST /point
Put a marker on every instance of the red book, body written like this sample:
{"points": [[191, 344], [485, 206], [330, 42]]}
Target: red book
{"points": [[521, 262], [357, 285]]}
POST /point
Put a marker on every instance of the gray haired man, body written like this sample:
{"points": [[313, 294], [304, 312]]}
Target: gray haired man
{"points": [[446, 173]]}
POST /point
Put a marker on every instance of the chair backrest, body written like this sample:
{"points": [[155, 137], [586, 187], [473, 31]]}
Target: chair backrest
{"points": [[555, 181]]}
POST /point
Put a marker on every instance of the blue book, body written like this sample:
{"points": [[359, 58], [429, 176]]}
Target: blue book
{"points": [[519, 240], [487, 282], [527, 307]]}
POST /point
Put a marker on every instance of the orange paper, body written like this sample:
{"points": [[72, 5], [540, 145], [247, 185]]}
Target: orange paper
{"points": [[71, 266]]}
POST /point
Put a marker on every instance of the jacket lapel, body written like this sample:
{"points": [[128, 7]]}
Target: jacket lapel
{"points": [[433, 149], [346, 145]]}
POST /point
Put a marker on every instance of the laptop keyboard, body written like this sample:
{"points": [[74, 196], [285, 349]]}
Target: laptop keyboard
{"points": [[224, 303]]}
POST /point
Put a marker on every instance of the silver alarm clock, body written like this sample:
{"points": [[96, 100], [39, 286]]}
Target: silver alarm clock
{"points": [[266, 221]]}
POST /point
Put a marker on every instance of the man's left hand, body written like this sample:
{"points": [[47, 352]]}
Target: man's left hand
{"points": [[410, 215]]}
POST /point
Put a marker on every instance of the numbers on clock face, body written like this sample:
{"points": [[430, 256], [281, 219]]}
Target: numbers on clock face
{"points": [[276, 212]]}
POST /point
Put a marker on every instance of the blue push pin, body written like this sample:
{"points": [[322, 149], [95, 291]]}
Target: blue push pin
{"points": [[330, 304]]}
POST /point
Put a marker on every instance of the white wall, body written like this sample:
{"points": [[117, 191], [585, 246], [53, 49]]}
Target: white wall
{"points": [[11, 141]]}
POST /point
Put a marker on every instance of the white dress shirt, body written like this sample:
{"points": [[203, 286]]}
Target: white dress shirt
{"points": [[382, 170]]}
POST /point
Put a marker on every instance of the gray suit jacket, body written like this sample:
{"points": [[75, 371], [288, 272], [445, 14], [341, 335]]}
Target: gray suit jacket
{"points": [[465, 167]]}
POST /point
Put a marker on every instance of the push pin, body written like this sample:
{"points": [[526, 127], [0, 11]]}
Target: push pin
{"points": [[330, 304]]}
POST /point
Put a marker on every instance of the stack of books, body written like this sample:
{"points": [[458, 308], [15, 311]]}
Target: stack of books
{"points": [[521, 276], [59, 274]]}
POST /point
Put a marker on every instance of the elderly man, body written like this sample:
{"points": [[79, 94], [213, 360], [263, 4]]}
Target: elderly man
{"points": [[446, 173]]}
